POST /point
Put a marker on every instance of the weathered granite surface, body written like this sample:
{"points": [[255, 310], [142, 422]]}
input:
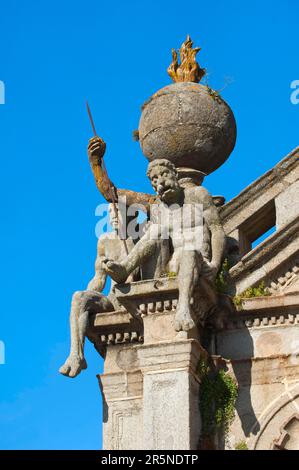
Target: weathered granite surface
{"points": [[184, 236], [156, 334], [185, 124], [150, 390], [259, 345]]}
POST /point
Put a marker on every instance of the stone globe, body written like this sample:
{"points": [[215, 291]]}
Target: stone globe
{"points": [[188, 124]]}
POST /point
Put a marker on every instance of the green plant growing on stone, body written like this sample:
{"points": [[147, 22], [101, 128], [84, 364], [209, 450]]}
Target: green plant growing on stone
{"points": [[221, 280], [242, 445], [218, 394], [260, 291], [169, 274], [202, 368], [215, 94]]}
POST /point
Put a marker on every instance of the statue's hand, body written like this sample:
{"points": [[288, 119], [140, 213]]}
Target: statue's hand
{"points": [[96, 148], [210, 270]]}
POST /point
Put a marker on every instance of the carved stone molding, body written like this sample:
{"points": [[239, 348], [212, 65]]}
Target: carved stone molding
{"points": [[290, 277], [262, 320], [289, 435], [265, 188], [261, 263], [278, 417]]}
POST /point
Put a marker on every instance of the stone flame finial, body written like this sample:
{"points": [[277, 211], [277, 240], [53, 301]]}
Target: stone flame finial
{"points": [[188, 70]]}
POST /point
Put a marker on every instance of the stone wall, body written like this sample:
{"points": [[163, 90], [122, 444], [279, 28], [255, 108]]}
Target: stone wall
{"points": [[262, 352]]}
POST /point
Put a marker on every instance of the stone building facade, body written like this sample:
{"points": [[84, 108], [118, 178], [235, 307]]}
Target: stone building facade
{"points": [[150, 385], [261, 342], [225, 309]]}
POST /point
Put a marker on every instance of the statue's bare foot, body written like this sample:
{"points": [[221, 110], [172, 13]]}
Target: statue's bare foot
{"points": [[183, 320], [73, 366], [116, 271]]}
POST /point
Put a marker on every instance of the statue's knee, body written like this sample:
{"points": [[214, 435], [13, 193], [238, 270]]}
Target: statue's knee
{"points": [[78, 296]]}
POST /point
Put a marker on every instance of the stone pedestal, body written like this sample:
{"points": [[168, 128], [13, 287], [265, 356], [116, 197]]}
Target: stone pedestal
{"points": [[150, 384], [171, 418]]}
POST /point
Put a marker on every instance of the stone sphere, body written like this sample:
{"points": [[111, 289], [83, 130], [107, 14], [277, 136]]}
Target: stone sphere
{"points": [[188, 125]]}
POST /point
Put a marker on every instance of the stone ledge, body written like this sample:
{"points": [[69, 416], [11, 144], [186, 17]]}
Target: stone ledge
{"points": [[258, 320], [148, 297], [286, 280], [138, 289], [120, 327], [269, 182], [287, 299], [272, 310], [269, 251], [118, 317], [116, 328]]}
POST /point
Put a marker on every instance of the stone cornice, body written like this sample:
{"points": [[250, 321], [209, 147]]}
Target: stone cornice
{"points": [[258, 188], [262, 312], [286, 280], [267, 250]]}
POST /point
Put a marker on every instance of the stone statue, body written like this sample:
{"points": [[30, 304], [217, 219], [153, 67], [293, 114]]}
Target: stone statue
{"points": [[96, 150], [183, 123], [85, 304], [189, 260], [163, 276], [185, 134]]}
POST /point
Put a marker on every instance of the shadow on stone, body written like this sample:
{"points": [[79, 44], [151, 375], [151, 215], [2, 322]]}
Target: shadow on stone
{"points": [[242, 368]]}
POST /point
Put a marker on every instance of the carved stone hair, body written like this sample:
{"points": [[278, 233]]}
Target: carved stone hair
{"points": [[161, 162]]}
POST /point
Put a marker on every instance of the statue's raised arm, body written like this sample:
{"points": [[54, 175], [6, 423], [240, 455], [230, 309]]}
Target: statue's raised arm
{"points": [[96, 150]]}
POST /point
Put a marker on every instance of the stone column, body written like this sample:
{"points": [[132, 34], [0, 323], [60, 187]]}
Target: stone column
{"points": [[122, 410], [171, 418], [150, 386]]}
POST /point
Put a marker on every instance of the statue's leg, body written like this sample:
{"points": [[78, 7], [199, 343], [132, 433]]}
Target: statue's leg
{"points": [[148, 247], [73, 361], [93, 303], [190, 262], [84, 304], [156, 265]]}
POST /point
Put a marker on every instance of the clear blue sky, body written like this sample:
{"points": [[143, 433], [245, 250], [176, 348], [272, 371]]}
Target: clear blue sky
{"points": [[54, 55]]}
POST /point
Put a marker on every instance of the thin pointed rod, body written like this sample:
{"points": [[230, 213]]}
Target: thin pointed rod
{"points": [[112, 196]]}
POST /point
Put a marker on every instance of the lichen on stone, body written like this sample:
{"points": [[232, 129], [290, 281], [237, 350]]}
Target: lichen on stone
{"points": [[260, 291]]}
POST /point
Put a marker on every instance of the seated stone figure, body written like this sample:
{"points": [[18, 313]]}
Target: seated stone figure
{"points": [[87, 303], [195, 263]]}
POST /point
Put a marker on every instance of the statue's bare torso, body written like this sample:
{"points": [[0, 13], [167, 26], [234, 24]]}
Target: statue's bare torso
{"points": [[188, 219]]}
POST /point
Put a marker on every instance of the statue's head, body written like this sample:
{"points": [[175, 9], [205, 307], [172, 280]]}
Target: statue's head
{"points": [[114, 216], [121, 216], [164, 179]]}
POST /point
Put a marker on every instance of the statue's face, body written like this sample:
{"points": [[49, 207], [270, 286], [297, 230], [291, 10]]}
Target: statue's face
{"points": [[119, 218], [165, 183], [113, 216]]}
